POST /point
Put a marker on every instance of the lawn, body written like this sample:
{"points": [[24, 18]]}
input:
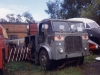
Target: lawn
{"points": [[27, 68]]}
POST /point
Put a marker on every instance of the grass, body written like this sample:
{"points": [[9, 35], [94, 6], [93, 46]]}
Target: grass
{"points": [[90, 58], [25, 68]]}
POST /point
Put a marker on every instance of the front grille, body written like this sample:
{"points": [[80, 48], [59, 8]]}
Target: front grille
{"points": [[73, 44]]}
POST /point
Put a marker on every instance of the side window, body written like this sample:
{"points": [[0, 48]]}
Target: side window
{"points": [[87, 26], [50, 30], [42, 28]]}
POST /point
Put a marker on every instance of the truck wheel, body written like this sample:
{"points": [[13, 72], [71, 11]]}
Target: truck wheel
{"points": [[44, 60], [81, 60], [1, 72]]}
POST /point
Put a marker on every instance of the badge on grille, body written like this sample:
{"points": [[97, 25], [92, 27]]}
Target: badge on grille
{"points": [[59, 37]]}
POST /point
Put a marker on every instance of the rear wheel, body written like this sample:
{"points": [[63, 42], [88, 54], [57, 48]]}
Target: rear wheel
{"points": [[44, 60], [81, 60]]}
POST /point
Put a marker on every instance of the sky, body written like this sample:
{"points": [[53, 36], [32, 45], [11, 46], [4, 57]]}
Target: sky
{"points": [[35, 7]]}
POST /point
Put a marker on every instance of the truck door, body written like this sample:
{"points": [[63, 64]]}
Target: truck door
{"points": [[41, 38]]}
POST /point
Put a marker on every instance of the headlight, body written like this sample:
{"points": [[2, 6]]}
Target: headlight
{"points": [[61, 50], [85, 48]]}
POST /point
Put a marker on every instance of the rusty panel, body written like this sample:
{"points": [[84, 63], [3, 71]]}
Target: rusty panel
{"points": [[33, 29], [33, 26], [33, 33]]}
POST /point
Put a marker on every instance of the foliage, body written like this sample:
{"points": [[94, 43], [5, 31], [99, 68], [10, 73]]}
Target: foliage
{"points": [[53, 9], [92, 11], [11, 17], [66, 8], [28, 17], [18, 18], [90, 58], [2, 20], [72, 8]]}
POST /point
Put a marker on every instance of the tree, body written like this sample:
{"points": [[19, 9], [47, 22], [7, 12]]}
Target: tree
{"points": [[54, 9], [2, 20], [28, 17], [66, 8], [18, 19], [92, 11], [11, 17], [72, 8]]}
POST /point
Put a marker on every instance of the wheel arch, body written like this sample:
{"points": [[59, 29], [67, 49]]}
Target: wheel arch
{"points": [[47, 50]]}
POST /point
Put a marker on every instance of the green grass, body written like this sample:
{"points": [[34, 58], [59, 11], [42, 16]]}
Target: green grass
{"points": [[90, 58], [23, 68]]}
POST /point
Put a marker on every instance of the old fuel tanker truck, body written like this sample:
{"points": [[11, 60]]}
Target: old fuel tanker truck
{"points": [[55, 40]]}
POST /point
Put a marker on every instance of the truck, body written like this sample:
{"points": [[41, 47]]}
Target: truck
{"points": [[53, 39], [93, 30]]}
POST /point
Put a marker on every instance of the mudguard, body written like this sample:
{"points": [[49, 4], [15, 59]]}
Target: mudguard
{"points": [[48, 50]]}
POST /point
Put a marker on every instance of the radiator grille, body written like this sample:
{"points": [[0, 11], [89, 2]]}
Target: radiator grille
{"points": [[73, 44]]}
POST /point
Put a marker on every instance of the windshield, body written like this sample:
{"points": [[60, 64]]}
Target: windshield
{"points": [[93, 25], [77, 26], [61, 26]]}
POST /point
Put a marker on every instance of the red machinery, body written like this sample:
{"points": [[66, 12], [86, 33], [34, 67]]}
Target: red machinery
{"points": [[3, 51], [93, 46]]}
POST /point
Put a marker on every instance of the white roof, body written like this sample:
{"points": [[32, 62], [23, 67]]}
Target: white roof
{"points": [[85, 20]]}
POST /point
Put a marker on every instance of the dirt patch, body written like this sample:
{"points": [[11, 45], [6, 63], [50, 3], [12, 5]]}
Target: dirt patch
{"points": [[91, 68]]}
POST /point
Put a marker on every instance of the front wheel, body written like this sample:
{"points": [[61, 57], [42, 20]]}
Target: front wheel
{"points": [[44, 60], [81, 60], [1, 72]]}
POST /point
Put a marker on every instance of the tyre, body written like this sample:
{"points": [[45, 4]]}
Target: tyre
{"points": [[81, 60], [44, 60], [1, 72]]}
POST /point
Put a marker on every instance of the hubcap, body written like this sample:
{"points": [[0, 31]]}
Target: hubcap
{"points": [[43, 61]]}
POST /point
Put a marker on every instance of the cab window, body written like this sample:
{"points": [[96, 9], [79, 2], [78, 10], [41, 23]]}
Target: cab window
{"points": [[61, 26], [77, 26]]}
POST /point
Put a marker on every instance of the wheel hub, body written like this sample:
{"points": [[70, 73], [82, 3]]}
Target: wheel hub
{"points": [[43, 60]]}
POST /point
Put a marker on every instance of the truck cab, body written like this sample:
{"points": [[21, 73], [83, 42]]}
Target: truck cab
{"points": [[55, 40]]}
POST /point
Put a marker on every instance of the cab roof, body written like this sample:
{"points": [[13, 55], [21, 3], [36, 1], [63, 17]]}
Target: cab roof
{"points": [[85, 20]]}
